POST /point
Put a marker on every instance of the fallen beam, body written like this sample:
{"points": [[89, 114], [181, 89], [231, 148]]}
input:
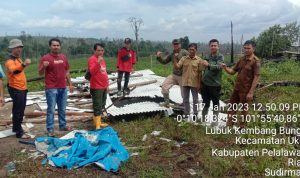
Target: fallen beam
{"points": [[87, 94], [136, 84], [42, 120], [111, 78], [38, 114]]}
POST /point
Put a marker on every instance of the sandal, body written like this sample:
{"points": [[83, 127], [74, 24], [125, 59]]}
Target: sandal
{"points": [[25, 136], [51, 134], [66, 129]]}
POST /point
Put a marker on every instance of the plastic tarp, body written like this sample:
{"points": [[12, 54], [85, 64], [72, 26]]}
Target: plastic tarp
{"points": [[1, 71], [101, 147]]}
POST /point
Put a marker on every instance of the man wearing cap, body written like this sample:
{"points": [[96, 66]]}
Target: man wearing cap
{"points": [[176, 77], [125, 62], [17, 85], [55, 67]]}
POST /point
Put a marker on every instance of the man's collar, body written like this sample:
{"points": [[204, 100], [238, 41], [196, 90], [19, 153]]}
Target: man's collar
{"points": [[195, 57], [250, 58], [212, 55], [54, 55], [12, 56], [178, 50]]}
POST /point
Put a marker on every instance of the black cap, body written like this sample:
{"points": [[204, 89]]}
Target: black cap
{"points": [[127, 40], [175, 41]]}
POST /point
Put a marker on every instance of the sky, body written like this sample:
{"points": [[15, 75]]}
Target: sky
{"points": [[163, 20]]}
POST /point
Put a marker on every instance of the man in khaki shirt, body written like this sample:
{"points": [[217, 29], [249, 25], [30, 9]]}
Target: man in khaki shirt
{"points": [[192, 67], [248, 69]]}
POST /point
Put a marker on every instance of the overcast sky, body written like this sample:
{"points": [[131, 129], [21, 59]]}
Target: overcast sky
{"points": [[200, 20]]}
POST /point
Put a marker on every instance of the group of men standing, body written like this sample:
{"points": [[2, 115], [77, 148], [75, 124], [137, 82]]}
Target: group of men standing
{"points": [[190, 72], [194, 75], [54, 66]]}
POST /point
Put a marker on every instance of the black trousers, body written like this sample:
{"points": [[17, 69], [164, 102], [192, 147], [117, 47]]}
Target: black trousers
{"points": [[119, 80], [19, 104], [210, 93]]}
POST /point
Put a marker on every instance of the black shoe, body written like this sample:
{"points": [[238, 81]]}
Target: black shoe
{"points": [[119, 93], [126, 91]]}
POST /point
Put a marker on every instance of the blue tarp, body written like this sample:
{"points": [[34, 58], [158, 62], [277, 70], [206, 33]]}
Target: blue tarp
{"points": [[2, 74], [102, 147]]}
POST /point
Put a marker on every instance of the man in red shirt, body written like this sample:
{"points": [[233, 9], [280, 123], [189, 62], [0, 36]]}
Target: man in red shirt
{"points": [[98, 83], [55, 67], [126, 60]]}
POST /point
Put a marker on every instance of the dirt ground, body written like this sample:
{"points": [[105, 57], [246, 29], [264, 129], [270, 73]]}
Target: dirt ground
{"points": [[151, 162], [11, 151]]}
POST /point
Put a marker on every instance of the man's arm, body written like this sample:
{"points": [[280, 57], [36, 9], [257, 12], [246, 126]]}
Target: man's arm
{"points": [[256, 72], [199, 81], [177, 65], [217, 66], [12, 68], [68, 76], [42, 66], [133, 60], [249, 96], [164, 60], [228, 69]]}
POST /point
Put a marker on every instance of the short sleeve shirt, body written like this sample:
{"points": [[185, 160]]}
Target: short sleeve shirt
{"points": [[56, 71], [246, 68]]}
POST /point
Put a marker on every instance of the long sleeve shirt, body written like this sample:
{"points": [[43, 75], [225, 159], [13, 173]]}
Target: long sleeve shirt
{"points": [[212, 75], [168, 58]]}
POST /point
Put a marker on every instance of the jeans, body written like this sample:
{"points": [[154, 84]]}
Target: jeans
{"points": [[56, 96], [119, 80], [19, 104]]}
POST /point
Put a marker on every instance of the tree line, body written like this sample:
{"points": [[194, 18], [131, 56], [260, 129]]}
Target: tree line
{"points": [[37, 46], [269, 42]]}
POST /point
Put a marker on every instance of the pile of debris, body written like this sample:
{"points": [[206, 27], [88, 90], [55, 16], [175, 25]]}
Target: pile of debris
{"points": [[144, 98]]}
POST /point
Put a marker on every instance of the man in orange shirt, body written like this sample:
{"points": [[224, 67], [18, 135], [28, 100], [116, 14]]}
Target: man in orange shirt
{"points": [[17, 85]]}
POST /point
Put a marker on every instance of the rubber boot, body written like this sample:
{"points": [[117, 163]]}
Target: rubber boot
{"points": [[102, 124], [97, 122]]}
